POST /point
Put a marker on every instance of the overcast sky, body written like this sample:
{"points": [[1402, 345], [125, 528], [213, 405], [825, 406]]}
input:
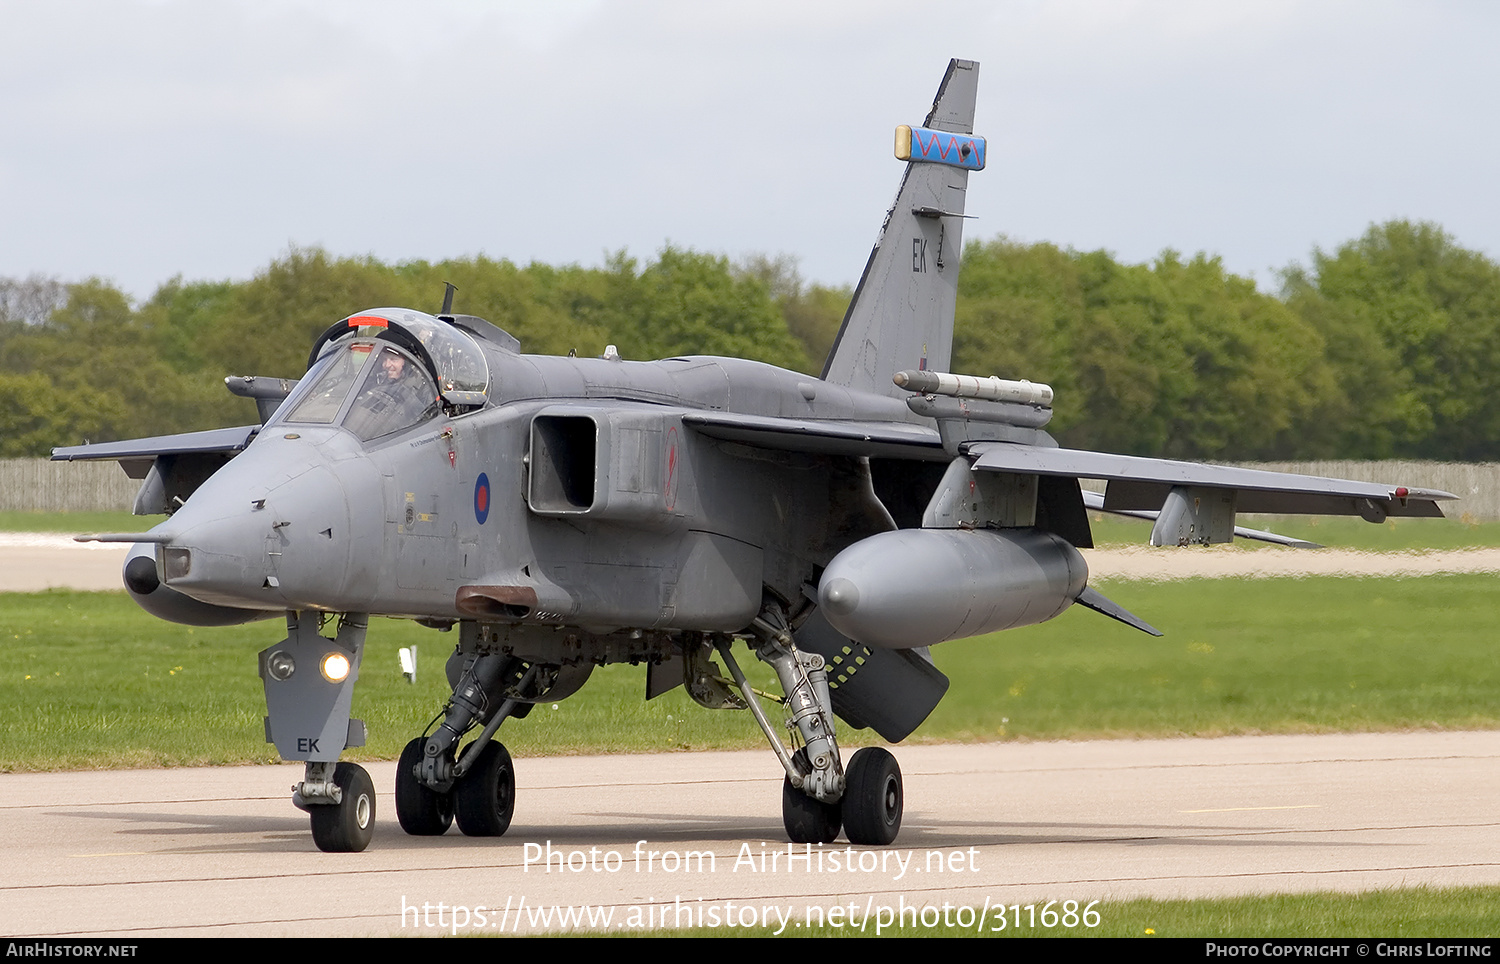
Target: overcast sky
{"points": [[144, 140]]}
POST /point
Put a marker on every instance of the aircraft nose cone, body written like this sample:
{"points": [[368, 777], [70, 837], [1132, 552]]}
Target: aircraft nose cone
{"points": [[216, 556], [839, 596], [140, 575], [143, 583], [272, 530]]}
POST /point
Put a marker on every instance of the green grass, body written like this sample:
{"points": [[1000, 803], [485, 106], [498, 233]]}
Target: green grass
{"points": [[1239, 656], [1419, 912], [89, 680], [74, 523], [1448, 912]]}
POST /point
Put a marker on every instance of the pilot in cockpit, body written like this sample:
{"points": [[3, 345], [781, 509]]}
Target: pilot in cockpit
{"points": [[394, 395], [392, 374]]}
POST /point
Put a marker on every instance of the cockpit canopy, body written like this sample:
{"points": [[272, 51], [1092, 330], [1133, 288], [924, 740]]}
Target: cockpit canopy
{"points": [[382, 371], [371, 389], [450, 356]]}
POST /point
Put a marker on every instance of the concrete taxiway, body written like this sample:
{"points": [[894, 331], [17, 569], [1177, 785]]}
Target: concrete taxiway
{"points": [[33, 561], [696, 838]]}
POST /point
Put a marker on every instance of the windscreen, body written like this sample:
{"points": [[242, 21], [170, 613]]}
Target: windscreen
{"points": [[323, 401]]}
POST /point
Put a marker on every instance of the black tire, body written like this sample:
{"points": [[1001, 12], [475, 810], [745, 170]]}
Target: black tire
{"points": [[873, 798], [346, 828], [484, 799], [807, 819], [423, 812]]}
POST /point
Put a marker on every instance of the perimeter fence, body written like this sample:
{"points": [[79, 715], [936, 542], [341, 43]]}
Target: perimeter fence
{"points": [[38, 485]]}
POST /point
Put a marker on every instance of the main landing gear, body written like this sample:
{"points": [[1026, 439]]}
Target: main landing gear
{"points": [[872, 797], [819, 796], [436, 785], [482, 798], [423, 812]]}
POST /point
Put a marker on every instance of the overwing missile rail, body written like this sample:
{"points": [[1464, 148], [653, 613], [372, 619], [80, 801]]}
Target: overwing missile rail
{"points": [[967, 408]]}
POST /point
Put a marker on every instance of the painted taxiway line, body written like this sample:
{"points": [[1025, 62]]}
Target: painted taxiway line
{"points": [[683, 836]]}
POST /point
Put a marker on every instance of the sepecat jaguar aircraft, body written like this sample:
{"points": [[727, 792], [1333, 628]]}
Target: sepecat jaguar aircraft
{"points": [[567, 513]]}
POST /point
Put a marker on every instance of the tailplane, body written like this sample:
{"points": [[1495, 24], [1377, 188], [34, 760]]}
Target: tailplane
{"points": [[901, 316]]}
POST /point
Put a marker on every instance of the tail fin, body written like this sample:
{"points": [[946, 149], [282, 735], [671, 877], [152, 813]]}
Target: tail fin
{"points": [[901, 316]]}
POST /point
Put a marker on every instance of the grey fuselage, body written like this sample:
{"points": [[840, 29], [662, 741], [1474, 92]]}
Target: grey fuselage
{"points": [[575, 496]]}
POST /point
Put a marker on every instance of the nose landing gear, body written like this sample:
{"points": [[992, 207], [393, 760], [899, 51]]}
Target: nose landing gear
{"points": [[309, 683], [348, 825]]}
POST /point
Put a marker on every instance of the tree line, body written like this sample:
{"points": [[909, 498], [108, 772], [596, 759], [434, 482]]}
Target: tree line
{"points": [[1387, 347]]}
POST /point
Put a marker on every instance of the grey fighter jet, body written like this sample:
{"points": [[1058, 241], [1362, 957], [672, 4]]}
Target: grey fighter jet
{"points": [[566, 513]]}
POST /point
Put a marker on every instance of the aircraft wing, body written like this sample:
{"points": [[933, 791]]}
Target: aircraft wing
{"points": [[1135, 483], [171, 467], [824, 436], [145, 450], [1095, 501]]}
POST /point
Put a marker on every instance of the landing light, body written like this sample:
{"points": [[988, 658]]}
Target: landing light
{"points": [[335, 667]]}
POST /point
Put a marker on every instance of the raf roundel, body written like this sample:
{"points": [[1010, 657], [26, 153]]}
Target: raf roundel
{"points": [[482, 498]]}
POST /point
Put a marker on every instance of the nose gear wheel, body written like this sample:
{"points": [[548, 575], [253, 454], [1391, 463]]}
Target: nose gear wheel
{"points": [[346, 826]]}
